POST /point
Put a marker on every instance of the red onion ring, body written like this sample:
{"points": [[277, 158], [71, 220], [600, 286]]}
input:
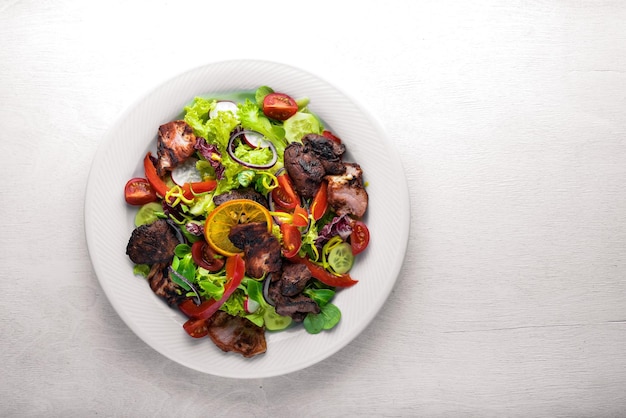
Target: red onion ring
{"points": [[231, 152]]}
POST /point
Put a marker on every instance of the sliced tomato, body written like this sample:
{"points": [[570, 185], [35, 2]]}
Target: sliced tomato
{"points": [[292, 239], [329, 135], [139, 192], [235, 270], [205, 257], [320, 202], [284, 195], [324, 276], [153, 178], [279, 106], [192, 189], [360, 237], [197, 328], [300, 216]]}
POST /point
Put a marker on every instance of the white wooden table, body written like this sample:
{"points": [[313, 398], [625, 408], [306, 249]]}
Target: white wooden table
{"points": [[511, 122]]}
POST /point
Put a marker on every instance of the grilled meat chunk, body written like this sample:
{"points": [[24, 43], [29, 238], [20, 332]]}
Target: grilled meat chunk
{"points": [[153, 243], [175, 143], [304, 168], [328, 151], [237, 334], [309, 162], [261, 249], [285, 290], [245, 193], [297, 307], [346, 194], [163, 286], [294, 278]]}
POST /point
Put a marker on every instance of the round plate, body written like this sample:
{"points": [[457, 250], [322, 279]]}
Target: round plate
{"points": [[109, 220]]}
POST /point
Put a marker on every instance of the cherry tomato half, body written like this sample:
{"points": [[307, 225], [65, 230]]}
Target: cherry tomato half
{"points": [[139, 192], [360, 237], [292, 239], [284, 195], [279, 106], [197, 328], [204, 256]]}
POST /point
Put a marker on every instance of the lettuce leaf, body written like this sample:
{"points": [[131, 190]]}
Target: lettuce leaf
{"points": [[252, 118]]}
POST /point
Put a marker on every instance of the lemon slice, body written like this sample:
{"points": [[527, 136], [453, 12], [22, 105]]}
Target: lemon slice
{"points": [[228, 214]]}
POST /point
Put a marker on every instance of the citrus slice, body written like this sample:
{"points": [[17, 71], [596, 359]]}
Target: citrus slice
{"points": [[228, 214]]}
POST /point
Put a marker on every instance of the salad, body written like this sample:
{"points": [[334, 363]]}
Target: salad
{"points": [[248, 218]]}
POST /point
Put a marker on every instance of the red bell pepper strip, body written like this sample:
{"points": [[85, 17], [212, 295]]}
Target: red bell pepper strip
{"points": [[235, 270], [153, 178], [324, 276], [200, 187]]}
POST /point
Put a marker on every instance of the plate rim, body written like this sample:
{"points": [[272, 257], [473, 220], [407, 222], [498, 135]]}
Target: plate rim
{"points": [[106, 141]]}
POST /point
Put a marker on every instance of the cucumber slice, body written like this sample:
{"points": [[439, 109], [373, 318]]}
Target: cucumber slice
{"points": [[148, 213], [275, 322], [301, 124], [340, 258]]}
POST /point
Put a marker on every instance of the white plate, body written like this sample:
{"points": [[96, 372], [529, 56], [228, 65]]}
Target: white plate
{"points": [[109, 220]]}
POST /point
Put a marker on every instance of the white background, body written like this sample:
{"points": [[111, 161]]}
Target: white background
{"points": [[509, 117]]}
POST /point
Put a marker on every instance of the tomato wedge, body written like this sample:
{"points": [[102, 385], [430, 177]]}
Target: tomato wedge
{"points": [[197, 328], [284, 195], [341, 280], [300, 216], [279, 106], [235, 270], [155, 181], [204, 256], [292, 239], [360, 237], [320, 202], [139, 192]]}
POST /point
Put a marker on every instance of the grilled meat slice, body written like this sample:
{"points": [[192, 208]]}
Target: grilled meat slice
{"points": [[237, 334], [304, 168], [245, 193], [346, 194], [294, 278], [153, 243], [327, 151], [297, 307], [176, 142], [163, 286], [261, 249]]}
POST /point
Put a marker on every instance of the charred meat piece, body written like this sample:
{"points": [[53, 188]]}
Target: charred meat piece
{"points": [[328, 151], [175, 143], [153, 243], [297, 307], [346, 194], [245, 193], [237, 334], [163, 286], [294, 278], [261, 249], [304, 168]]}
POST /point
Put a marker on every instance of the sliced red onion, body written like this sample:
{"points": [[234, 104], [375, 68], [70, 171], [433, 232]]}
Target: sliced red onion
{"points": [[266, 288], [231, 152], [196, 297], [223, 106]]}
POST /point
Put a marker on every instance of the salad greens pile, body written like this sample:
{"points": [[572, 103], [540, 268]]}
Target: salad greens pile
{"points": [[215, 162]]}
